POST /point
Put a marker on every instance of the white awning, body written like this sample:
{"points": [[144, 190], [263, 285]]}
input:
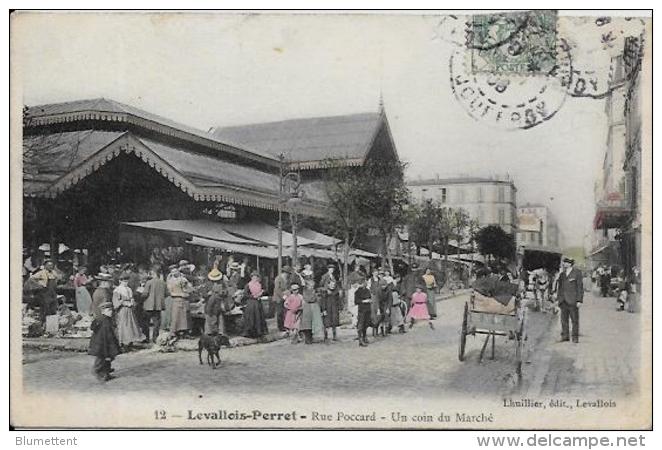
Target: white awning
{"points": [[262, 252], [202, 228]]}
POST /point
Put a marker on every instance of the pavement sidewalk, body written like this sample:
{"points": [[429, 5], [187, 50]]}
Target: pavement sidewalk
{"points": [[605, 362]]}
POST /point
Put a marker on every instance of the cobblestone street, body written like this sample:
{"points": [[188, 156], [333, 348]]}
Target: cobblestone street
{"points": [[422, 363], [605, 362]]}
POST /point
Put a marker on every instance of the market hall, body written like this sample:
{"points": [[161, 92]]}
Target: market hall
{"points": [[92, 165]]}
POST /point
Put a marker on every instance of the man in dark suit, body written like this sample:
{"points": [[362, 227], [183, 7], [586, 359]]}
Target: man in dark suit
{"points": [[570, 294]]}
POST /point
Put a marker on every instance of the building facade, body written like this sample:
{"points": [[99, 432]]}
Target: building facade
{"points": [[616, 224], [537, 226], [489, 201], [631, 230]]}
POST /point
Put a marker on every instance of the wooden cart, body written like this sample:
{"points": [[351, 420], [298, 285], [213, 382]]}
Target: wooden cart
{"points": [[511, 322]]}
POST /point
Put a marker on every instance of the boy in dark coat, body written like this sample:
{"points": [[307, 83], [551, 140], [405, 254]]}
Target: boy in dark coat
{"points": [[104, 344], [363, 299]]}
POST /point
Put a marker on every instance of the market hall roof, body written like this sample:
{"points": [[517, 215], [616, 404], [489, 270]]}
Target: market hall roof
{"points": [[65, 158], [102, 109], [308, 142], [104, 129]]}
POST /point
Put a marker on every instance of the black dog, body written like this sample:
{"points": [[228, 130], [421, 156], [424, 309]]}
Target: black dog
{"points": [[213, 345]]}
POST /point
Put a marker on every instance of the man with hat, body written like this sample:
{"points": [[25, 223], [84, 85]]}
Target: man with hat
{"points": [[216, 303], [103, 344], [155, 292], [328, 276], [570, 295], [281, 283], [102, 294], [234, 278], [47, 278]]}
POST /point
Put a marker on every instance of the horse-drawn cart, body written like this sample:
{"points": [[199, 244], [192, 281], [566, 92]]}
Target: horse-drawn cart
{"points": [[487, 316]]}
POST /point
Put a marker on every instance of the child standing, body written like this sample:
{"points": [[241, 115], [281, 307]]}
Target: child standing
{"points": [[293, 304], [104, 344], [419, 308], [363, 299], [397, 307]]}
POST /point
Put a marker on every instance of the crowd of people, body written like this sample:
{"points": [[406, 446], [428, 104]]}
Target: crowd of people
{"points": [[142, 304], [614, 281]]}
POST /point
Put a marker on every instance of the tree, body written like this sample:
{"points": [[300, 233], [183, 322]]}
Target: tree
{"points": [[495, 242], [423, 223], [385, 200], [373, 196], [343, 187]]}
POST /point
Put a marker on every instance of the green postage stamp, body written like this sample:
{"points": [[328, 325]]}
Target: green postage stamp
{"points": [[513, 43]]}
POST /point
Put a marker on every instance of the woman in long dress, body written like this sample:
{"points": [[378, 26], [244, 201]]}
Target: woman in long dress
{"points": [[179, 288], [128, 330], [83, 297], [311, 324], [255, 325], [431, 287]]}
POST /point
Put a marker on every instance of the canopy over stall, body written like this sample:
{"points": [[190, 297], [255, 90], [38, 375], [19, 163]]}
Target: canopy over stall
{"points": [[202, 228], [264, 233], [262, 252], [249, 238], [320, 239]]}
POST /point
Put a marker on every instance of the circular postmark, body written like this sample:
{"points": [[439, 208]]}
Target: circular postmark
{"points": [[511, 100], [598, 46]]}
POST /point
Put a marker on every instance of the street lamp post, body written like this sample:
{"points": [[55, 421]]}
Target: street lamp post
{"points": [[293, 218], [295, 196], [281, 158]]}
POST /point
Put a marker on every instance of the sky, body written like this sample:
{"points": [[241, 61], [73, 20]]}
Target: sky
{"points": [[210, 69]]}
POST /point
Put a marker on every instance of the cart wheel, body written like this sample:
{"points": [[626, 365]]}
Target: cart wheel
{"points": [[463, 333]]}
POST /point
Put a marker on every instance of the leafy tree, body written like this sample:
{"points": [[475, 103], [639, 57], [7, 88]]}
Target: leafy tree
{"points": [[373, 196], [495, 242], [423, 224], [385, 200], [343, 187]]}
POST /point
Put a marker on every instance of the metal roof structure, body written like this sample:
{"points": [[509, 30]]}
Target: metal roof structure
{"points": [[308, 142], [102, 109]]}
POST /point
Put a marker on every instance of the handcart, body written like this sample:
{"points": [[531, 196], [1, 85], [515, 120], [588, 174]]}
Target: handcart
{"points": [[485, 315]]}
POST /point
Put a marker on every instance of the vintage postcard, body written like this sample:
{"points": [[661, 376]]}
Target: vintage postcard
{"points": [[376, 220]]}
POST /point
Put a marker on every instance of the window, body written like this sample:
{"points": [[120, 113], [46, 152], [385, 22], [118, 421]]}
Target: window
{"points": [[479, 194], [502, 194], [481, 218], [502, 217], [443, 194]]}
